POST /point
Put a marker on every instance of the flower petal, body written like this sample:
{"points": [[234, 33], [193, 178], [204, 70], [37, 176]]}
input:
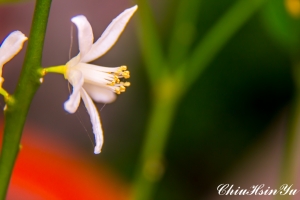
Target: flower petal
{"points": [[110, 35], [95, 120], [100, 94], [76, 79], [93, 74], [85, 34], [11, 46]]}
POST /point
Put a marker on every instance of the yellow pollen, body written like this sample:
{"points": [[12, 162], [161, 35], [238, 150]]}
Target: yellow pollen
{"points": [[126, 74], [127, 84], [112, 83], [122, 88], [123, 67], [116, 79], [117, 90]]}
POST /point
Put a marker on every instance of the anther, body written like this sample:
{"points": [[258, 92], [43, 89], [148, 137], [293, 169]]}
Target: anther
{"points": [[126, 74], [116, 79], [123, 67], [122, 88], [117, 90], [112, 83], [127, 84]]}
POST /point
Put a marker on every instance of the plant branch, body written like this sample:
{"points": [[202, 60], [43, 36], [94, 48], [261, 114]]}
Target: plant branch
{"points": [[29, 81], [149, 41]]}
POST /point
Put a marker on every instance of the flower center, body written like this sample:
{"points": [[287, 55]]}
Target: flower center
{"points": [[116, 84]]}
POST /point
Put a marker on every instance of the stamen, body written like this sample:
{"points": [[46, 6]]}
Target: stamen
{"points": [[122, 88], [112, 83], [126, 74], [117, 90], [123, 67], [127, 84], [116, 79]]}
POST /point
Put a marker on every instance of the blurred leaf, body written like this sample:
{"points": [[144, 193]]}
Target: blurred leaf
{"points": [[283, 23]]}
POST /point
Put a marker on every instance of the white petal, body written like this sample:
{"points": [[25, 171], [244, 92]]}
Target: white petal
{"points": [[11, 46], [93, 75], [110, 35], [85, 34], [95, 120], [87, 66], [76, 79], [100, 94]]}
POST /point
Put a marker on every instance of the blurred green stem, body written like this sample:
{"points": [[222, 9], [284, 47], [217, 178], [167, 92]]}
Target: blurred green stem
{"points": [[184, 30], [16, 110], [149, 41], [169, 83], [151, 166], [290, 158]]}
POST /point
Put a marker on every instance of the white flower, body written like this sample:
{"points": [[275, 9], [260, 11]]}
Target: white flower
{"points": [[92, 81], [9, 48]]}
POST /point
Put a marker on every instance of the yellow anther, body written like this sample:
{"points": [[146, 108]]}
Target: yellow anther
{"points": [[112, 83], [126, 74], [122, 88], [127, 84], [123, 67], [117, 90]]}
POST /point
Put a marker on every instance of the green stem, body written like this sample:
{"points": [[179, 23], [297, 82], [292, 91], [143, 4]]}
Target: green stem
{"points": [[16, 112], [184, 30], [151, 165], [219, 35], [149, 41]]}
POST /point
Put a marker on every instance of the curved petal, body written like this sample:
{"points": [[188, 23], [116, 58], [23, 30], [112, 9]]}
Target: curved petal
{"points": [[85, 34], [95, 120], [87, 66], [11, 46], [76, 79], [110, 35], [100, 94]]}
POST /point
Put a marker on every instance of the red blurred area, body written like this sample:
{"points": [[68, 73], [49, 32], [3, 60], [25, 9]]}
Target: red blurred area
{"points": [[49, 169]]}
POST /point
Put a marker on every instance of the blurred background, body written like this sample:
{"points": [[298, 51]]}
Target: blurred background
{"points": [[228, 128]]}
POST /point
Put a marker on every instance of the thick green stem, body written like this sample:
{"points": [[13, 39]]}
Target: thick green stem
{"points": [[16, 111], [149, 41], [151, 166]]}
